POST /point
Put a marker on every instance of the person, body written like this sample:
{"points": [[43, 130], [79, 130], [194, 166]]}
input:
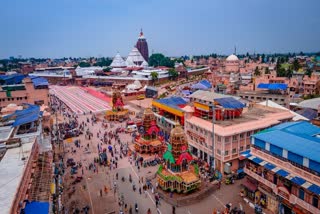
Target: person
{"points": [[136, 207], [149, 211], [145, 193], [173, 210], [130, 209], [140, 190]]}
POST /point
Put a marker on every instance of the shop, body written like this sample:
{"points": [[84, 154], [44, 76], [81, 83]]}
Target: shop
{"points": [[250, 188]]}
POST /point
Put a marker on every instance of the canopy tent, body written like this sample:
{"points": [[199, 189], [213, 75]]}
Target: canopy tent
{"points": [[229, 102], [273, 86]]}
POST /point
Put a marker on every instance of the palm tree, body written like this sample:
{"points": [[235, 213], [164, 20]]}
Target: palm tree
{"points": [[154, 76]]}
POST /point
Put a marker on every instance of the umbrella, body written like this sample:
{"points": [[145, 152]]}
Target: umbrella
{"points": [[110, 147]]}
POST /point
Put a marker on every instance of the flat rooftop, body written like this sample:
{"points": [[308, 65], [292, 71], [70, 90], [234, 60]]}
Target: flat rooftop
{"points": [[252, 118], [12, 168]]}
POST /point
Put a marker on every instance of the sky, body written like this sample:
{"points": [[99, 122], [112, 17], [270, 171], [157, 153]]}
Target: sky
{"points": [[83, 28]]}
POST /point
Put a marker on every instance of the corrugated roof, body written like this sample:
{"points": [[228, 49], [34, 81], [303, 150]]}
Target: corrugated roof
{"points": [[297, 138], [273, 86], [206, 83], [230, 102], [173, 102]]}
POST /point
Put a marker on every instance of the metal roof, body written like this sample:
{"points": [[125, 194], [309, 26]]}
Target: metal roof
{"points": [[298, 138], [273, 86]]}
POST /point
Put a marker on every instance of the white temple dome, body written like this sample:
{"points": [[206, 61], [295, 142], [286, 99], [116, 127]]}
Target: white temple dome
{"points": [[232, 57]]}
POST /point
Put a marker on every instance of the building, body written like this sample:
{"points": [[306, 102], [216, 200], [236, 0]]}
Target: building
{"points": [[260, 96], [142, 46], [234, 123], [19, 89], [283, 167], [135, 59], [232, 64], [169, 112], [26, 163]]}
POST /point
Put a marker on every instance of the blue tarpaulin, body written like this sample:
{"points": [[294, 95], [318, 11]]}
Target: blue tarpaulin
{"points": [[37, 207], [28, 115], [39, 81], [273, 86], [199, 86], [206, 83], [230, 102]]}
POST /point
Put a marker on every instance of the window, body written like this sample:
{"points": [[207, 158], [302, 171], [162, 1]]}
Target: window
{"points": [[226, 139], [219, 151], [241, 136], [219, 138], [234, 137], [226, 153], [234, 151], [248, 146], [248, 134], [301, 194], [315, 201], [241, 148]]}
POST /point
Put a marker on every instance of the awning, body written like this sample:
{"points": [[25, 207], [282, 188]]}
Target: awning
{"points": [[293, 178], [252, 187]]}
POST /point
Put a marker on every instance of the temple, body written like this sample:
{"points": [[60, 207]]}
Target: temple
{"points": [[118, 112], [149, 139], [142, 46], [178, 173]]}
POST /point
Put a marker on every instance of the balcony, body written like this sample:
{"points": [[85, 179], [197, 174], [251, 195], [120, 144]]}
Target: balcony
{"points": [[295, 200], [292, 198], [261, 179]]}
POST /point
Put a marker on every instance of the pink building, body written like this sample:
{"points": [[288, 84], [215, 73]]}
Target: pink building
{"points": [[282, 175], [232, 129], [27, 92]]}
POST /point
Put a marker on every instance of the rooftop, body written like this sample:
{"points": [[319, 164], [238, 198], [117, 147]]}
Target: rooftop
{"points": [[256, 117], [301, 138], [12, 167], [209, 96]]}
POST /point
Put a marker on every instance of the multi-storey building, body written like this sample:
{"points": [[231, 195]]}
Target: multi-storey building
{"points": [[233, 125], [283, 167], [18, 90]]}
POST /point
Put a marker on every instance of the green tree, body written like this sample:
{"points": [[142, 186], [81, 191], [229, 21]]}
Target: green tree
{"points": [[159, 59], [154, 76], [173, 74], [107, 69], [267, 71], [296, 65], [308, 72], [257, 71], [84, 64]]}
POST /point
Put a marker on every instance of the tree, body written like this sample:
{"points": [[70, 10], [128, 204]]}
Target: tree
{"points": [[154, 76], [296, 65], [173, 74], [308, 72], [159, 59], [257, 71], [107, 69], [84, 64], [267, 71]]}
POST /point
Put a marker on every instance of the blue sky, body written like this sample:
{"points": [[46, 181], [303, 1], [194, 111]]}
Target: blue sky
{"points": [[58, 28]]}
